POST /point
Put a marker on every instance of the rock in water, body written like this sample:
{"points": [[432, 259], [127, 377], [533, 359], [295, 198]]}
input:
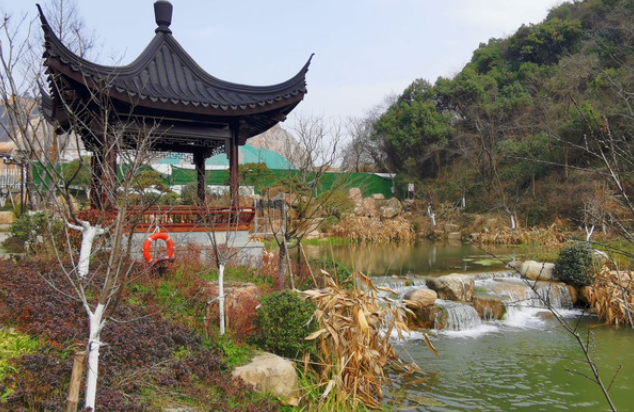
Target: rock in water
{"points": [[453, 287]]}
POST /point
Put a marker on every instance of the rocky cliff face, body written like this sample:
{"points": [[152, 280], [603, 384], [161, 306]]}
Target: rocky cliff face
{"points": [[281, 141]]}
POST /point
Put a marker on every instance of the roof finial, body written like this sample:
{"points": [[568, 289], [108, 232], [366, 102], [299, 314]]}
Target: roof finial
{"points": [[163, 16]]}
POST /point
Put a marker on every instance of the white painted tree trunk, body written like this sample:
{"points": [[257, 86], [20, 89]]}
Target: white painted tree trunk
{"points": [[94, 344], [88, 234], [221, 297], [589, 232]]}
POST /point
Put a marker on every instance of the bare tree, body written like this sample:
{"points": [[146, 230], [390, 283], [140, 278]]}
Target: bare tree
{"points": [[99, 288], [223, 230], [364, 151], [303, 196], [18, 84], [114, 267]]}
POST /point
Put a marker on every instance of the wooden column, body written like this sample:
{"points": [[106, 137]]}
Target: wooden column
{"points": [[110, 181], [103, 178], [234, 181], [96, 180], [199, 163]]}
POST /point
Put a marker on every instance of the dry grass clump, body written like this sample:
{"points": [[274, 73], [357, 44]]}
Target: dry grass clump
{"points": [[547, 237], [612, 296], [497, 237], [367, 229], [353, 342]]}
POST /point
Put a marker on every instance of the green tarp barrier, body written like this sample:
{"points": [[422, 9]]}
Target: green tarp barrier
{"points": [[369, 183]]}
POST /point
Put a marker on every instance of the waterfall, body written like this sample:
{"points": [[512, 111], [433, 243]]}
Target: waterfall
{"points": [[524, 305], [456, 316], [557, 295]]}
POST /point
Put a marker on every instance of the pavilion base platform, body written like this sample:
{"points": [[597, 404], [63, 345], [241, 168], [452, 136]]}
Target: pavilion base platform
{"points": [[192, 245], [194, 231]]}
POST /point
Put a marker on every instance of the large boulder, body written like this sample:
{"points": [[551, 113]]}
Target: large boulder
{"points": [[355, 194], [420, 297], [514, 291], [388, 212], [586, 295], [370, 207], [489, 307], [574, 293], [453, 287], [390, 208], [454, 236], [424, 317], [240, 302], [515, 264], [537, 270], [269, 373]]}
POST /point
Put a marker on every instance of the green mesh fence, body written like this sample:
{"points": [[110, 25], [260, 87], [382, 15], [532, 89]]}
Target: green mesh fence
{"points": [[369, 183]]}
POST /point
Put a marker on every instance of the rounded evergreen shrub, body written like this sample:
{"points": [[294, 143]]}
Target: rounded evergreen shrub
{"points": [[285, 321], [574, 266]]}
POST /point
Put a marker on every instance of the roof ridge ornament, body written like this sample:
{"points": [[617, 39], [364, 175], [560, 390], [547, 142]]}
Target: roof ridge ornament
{"points": [[163, 16]]}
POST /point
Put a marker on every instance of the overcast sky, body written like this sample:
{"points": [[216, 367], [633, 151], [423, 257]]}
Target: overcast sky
{"points": [[364, 49]]}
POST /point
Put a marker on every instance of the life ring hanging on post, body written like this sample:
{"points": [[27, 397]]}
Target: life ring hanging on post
{"points": [[148, 244]]}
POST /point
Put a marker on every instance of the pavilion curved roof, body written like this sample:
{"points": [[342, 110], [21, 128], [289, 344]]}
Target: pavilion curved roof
{"points": [[165, 77]]}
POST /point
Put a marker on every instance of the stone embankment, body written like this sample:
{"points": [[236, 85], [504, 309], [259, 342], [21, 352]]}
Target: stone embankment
{"points": [[6, 219], [489, 297]]}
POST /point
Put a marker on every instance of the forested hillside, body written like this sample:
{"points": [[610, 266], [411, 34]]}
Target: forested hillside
{"points": [[535, 124]]}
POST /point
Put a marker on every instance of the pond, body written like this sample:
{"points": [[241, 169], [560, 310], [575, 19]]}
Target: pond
{"points": [[421, 258], [524, 362]]}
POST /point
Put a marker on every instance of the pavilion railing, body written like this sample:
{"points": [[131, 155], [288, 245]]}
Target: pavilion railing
{"points": [[190, 218]]}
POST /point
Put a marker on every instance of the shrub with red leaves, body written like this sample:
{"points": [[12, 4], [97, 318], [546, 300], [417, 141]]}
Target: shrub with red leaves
{"points": [[144, 352]]}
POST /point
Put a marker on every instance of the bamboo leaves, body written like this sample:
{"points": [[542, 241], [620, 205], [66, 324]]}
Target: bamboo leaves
{"points": [[353, 338], [613, 296]]}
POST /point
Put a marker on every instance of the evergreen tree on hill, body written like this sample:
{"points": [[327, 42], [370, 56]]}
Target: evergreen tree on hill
{"points": [[508, 130]]}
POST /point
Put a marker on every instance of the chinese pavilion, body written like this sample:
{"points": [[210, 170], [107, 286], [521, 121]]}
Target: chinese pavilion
{"points": [[163, 91]]}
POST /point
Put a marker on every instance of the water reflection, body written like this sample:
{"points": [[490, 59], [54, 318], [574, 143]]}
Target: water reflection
{"points": [[421, 258]]}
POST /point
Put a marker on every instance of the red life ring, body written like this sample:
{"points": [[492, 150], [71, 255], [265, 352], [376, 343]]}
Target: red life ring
{"points": [[148, 244]]}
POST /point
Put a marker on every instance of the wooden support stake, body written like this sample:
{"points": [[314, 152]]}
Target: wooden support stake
{"points": [[75, 381]]}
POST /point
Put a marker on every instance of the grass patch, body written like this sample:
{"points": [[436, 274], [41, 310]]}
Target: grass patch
{"points": [[234, 354], [487, 262], [329, 241], [243, 274], [270, 244], [12, 345]]}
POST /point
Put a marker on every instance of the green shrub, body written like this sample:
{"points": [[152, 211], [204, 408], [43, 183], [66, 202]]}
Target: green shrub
{"points": [[285, 320], [27, 230], [574, 266]]}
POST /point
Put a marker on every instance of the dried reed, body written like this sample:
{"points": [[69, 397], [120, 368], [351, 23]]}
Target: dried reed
{"points": [[366, 229], [612, 296], [355, 327], [546, 237]]}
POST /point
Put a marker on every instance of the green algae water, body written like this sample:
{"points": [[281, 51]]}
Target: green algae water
{"points": [[536, 366], [524, 362]]}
